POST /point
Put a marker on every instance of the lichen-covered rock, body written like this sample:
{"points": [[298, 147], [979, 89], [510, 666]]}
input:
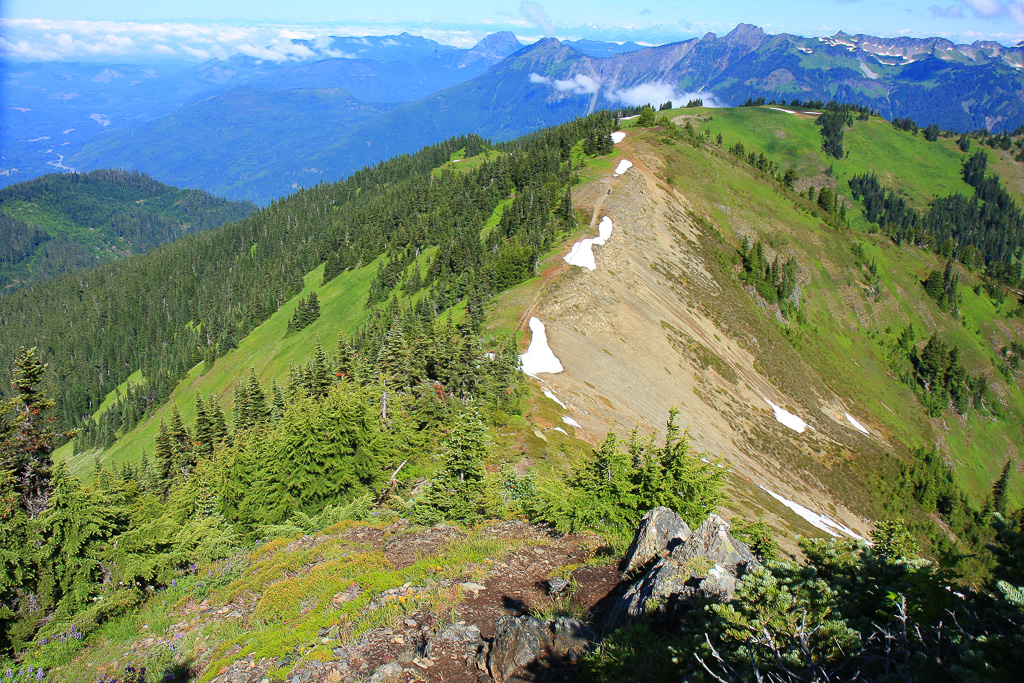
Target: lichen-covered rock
{"points": [[660, 530], [713, 541], [521, 641], [517, 642], [459, 641], [707, 565], [387, 673]]}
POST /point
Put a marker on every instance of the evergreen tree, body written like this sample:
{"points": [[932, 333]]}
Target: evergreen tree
{"points": [[73, 529], [1000, 489], [27, 437], [458, 493]]}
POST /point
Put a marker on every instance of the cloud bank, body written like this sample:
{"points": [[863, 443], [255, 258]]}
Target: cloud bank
{"points": [[53, 40], [653, 93]]}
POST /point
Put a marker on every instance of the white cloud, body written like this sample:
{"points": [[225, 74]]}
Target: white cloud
{"points": [[654, 93], [535, 15], [579, 84]]}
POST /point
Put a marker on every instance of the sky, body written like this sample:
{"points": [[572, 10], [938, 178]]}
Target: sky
{"points": [[195, 30]]}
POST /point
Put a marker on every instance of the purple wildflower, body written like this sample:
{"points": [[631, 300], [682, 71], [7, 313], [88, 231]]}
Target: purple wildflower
{"points": [[40, 674]]}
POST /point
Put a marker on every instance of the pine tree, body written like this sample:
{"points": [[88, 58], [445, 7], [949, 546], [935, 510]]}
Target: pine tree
{"points": [[1000, 489], [318, 372], [257, 410], [278, 403], [164, 455], [27, 438], [458, 493], [203, 428], [73, 529]]}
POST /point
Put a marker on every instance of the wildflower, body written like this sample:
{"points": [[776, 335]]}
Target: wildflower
{"points": [[174, 583], [40, 674]]}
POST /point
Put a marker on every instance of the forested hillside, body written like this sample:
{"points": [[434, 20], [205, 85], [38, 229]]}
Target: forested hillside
{"points": [[60, 223]]}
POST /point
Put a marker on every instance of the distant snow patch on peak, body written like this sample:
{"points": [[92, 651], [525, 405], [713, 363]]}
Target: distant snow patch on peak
{"points": [[857, 425], [787, 418], [539, 357], [571, 422], [618, 136], [623, 166]]}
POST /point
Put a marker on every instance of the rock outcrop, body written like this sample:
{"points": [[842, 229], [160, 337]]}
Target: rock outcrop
{"points": [[525, 640], [707, 565], [660, 530]]}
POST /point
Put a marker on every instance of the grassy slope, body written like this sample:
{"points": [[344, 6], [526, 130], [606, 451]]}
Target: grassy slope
{"points": [[266, 349], [840, 341]]}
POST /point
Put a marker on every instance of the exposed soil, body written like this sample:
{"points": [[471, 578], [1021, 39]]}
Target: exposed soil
{"points": [[639, 335]]}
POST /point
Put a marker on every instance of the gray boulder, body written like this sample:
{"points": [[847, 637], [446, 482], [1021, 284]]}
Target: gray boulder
{"points": [[387, 673], [520, 641], [707, 566], [713, 541], [459, 641], [660, 530]]}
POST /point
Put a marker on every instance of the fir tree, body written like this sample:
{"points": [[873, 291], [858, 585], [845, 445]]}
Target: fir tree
{"points": [[27, 437], [458, 493]]}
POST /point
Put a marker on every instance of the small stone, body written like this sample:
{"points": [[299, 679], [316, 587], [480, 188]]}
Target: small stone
{"points": [[411, 623]]}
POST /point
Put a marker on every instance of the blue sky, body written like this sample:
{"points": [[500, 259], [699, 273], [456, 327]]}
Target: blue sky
{"points": [[200, 29]]}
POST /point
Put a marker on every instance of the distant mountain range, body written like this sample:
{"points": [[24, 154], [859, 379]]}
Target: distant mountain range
{"points": [[255, 129]]}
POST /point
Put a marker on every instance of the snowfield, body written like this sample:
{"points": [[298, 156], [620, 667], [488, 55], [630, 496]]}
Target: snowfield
{"points": [[582, 254], [539, 357], [857, 425], [822, 522], [623, 166], [787, 418], [571, 422], [618, 136], [550, 394]]}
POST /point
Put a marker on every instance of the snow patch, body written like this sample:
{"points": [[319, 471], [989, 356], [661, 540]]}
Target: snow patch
{"points": [[788, 111], [623, 166], [618, 136], [826, 524], [100, 119], [867, 71], [539, 357], [42, 137], [813, 113], [582, 254], [559, 429], [550, 394], [571, 422], [67, 131], [857, 425], [787, 418]]}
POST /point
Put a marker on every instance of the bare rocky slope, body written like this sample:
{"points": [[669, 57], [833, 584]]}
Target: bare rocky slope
{"points": [[642, 333]]}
